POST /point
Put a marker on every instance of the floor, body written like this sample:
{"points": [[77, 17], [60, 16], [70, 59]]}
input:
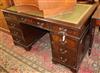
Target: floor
{"points": [[14, 59]]}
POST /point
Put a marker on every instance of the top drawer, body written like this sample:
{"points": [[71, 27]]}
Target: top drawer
{"points": [[9, 15], [68, 31], [13, 24]]}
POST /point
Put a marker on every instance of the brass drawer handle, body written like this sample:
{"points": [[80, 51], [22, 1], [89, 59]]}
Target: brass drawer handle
{"points": [[38, 23], [41, 24], [63, 32], [61, 50], [15, 32], [60, 28], [22, 19], [63, 41], [64, 52], [11, 24], [17, 40], [63, 60]]}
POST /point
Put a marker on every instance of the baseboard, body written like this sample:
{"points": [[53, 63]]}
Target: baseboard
{"points": [[5, 30]]}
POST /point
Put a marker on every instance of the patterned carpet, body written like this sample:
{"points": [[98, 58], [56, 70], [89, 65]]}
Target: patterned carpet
{"points": [[14, 59]]}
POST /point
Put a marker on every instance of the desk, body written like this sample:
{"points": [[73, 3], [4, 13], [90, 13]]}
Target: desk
{"points": [[70, 33], [96, 18]]}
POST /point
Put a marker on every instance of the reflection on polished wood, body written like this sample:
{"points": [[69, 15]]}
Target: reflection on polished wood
{"points": [[48, 7], [3, 23], [29, 9], [86, 1]]}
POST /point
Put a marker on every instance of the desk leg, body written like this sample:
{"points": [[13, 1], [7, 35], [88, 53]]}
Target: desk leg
{"points": [[92, 32]]}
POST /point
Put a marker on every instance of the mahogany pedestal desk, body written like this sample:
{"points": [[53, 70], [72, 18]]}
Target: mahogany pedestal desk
{"points": [[96, 18], [70, 32]]}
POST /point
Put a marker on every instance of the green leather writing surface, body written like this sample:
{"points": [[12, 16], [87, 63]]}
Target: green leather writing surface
{"points": [[73, 16]]}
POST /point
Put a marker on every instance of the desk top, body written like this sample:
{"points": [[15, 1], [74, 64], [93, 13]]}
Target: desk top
{"points": [[96, 15], [78, 15]]}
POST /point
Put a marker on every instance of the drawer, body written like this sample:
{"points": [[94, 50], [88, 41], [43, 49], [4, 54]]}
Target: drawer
{"points": [[64, 55], [64, 40], [27, 20], [21, 42], [69, 31], [17, 33], [43, 25], [68, 60], [18, 40], [60, 49], [34, 22], [13, 24], [9, 15]]}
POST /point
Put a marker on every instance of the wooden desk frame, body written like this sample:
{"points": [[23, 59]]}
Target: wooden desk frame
{"points": [[69, 43]]}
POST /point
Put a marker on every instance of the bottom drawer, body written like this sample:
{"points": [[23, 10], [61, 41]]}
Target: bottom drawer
{"points": [[66, 61], [18, 40]]}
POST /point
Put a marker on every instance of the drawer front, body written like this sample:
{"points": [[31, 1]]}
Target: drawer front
{"points": [[34, 22], [64, 55], [9, 15], [42, 25], [14, 20], [65, 52], [17, 33], [71, 32], [13, 24], [70, 42], [18, 40]]}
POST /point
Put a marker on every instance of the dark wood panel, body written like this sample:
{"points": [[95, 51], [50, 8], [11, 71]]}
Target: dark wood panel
{"points": [[86, 1]]}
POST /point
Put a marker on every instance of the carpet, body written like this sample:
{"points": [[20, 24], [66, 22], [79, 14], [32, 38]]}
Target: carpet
{"points": [[14, 59]]}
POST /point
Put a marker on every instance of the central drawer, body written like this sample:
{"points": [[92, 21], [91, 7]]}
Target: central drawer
{"points": [[10, 17], [34, 22]]}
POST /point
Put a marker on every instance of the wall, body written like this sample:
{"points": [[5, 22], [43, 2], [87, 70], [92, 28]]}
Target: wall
{"points": [[3, 4], [3, 23]]}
